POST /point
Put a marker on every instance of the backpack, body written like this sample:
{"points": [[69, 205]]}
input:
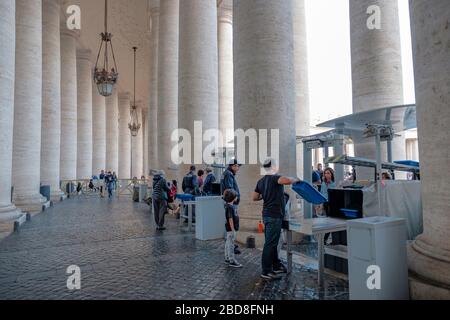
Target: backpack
{"points": [[188, 182]]}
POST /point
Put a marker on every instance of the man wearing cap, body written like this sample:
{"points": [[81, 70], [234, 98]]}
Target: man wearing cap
{"points": [[228, 181], [271, 189]]}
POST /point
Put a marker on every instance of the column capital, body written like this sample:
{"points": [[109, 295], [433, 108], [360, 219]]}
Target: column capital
{"points": [[154, 12], [124, 96], [66, 32], [84, 54], [225, 14], [152, 4]]}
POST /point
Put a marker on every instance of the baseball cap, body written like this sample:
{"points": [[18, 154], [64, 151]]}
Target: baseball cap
{"points": [[233, 162], [269, 163]]}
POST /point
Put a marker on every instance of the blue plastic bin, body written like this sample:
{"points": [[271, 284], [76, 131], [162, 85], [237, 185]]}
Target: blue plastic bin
{"points": [[309, 193]]}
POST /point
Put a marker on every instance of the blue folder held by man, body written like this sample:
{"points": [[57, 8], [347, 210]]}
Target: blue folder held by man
{"points": [[309, 193]]}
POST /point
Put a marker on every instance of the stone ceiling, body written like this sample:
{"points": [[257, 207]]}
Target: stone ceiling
{"points": [[128, 21], [129, 24]]}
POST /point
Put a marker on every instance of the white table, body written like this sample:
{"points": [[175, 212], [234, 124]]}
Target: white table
{"points": [[319, 227], [209, 218]]}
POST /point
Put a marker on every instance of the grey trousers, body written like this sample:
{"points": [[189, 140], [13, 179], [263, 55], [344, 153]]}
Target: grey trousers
{"points": [[229, 246], [159, 210]]}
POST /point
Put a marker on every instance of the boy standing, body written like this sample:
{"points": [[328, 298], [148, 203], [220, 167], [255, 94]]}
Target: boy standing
{"points": [[231, 225]]}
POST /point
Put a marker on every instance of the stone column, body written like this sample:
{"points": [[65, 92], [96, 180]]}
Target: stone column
{"points": [[124, 137], [98, 131], [84, 115], [51, 98], [28, 107], [153, 104], [225, 43], [136, 147], [429, 255], [198, 79], [167, 83], [302, 119], [112, 132], [376, 70], [145, 141], [7, 61], [264, 87], [68, 168]]}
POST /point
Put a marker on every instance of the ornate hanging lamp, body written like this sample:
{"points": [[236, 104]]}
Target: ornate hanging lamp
{"points": [[104, 77], [134, 124]]}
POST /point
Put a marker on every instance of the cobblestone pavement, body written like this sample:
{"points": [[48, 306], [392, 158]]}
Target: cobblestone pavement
{"points": [[122, 256]]}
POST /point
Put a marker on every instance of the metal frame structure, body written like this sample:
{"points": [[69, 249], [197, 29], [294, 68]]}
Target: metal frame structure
{"points": [[381, 124]]}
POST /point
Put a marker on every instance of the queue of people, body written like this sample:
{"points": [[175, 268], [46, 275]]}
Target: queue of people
{"points": [[269, 190]]}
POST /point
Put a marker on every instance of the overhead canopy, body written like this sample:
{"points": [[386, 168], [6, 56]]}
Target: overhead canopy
{"points": [[400, 118]]}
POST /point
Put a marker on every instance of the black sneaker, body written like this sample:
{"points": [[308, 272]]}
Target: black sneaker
{"points": [[227, 261], [271, 276], [281, 269], [235, 264]]}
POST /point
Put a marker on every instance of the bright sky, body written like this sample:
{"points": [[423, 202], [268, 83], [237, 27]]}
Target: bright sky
{"points": [[328, 28]]}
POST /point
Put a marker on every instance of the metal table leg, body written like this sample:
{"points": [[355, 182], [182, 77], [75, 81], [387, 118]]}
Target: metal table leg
{"points": [[321, 252], [289, 251], [190, 217], [181, 214]]}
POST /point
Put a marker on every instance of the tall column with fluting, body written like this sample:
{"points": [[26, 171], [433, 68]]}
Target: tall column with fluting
{"points": [[112, 132], [198, 78], [145, 141], [68, 164], [167, 83], [84, 115], [124, 137], [302, 119], [8, 211], [225, 47], [136, 147], [28, 107], [429, 254], [264, 88], [153, 103], [98, 131], [51, 98], [376, 68]]}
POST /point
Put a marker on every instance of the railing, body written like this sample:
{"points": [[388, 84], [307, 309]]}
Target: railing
{"points": [[122, 187]]}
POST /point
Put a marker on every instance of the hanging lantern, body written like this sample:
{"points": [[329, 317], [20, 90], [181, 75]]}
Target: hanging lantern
{"points": [[134, 124], [105, 77]]}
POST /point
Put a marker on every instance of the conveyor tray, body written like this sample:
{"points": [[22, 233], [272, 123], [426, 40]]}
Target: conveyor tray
{"points": [[362, 162]]}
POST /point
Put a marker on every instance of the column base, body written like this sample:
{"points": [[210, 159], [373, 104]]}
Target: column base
{"points": [[420, 289], [57, 196], [429, 271], [31, 204], [248, 224], [9, 213]]}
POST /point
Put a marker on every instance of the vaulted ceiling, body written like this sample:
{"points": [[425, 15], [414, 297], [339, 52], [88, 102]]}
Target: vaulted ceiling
{"points": [[129, 22]]}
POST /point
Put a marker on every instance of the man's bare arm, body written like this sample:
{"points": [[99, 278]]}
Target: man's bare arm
{"points": [[256, 196], [286, 181]]}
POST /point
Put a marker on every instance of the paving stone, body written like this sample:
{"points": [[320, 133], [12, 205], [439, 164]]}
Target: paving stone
{"points": [[122, 256]]}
